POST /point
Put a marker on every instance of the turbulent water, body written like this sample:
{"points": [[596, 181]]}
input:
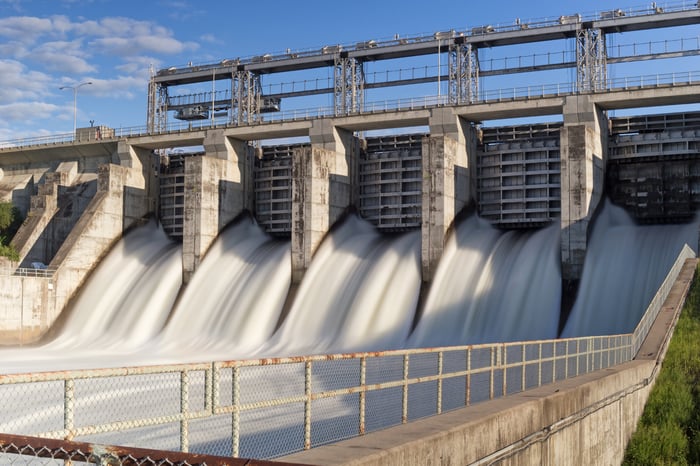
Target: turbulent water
{"points": [[493, 285], [625, 265], [361, 292]]}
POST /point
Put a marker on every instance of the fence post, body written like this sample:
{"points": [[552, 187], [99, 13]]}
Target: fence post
{"points": [[184, 409], [363, 394], [493, 364], [439, 383], [69, 408], [468, 394], [522, 360], [236, 414], [404, 400], [307, 405]]}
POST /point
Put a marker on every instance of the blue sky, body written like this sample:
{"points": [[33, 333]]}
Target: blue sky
{"points": [[46, 44]]}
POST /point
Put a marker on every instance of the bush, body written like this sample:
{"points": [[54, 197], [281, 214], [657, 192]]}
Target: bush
{"points": [[10, 221]]}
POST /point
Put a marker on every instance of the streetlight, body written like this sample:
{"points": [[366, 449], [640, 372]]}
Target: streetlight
{"points": [[75, 102]]}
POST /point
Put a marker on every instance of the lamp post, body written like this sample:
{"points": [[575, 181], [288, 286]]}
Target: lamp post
{"points": [[75, 102]]}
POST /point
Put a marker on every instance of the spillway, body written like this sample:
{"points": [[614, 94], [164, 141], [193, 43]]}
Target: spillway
{"points": [[360, 293], [625, 265]]}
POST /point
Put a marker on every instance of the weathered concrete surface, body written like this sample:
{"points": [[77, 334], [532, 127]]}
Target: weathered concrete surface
{"points": [[583, 420], [448, 182], [123, 196], [583, 151], [120, 202], [17, 188], [23, 301], [60, 201], [324, 184], [218, 187]]}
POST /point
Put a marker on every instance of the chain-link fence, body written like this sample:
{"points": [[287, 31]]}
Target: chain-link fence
{"points": [[20, 450], [271, 407]]}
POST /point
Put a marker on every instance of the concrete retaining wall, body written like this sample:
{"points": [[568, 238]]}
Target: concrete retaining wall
{"points": [[583, 420]]}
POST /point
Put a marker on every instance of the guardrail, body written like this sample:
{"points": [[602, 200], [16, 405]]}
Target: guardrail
{"points": [[27, 272], [385, 106], [266, 408]]}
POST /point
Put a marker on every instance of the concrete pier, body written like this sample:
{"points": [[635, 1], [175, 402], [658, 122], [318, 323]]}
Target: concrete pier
{"points": [[447, 182], [218, 187], [324, 184], [583, 157]]}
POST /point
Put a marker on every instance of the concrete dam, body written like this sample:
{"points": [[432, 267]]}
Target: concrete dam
{"points": [[223, 242]]}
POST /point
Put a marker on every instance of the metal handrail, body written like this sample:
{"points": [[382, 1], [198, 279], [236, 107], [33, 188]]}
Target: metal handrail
{"points": [[243, 390], [385, 106]]}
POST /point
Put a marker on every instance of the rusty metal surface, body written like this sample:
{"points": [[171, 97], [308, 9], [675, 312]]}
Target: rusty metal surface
{"points": [[270, 407], [37, 447]]}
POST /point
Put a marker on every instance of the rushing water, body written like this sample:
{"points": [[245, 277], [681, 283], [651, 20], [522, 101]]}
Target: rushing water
{"points": [[493, 285], [360, 293], [625, 265]]}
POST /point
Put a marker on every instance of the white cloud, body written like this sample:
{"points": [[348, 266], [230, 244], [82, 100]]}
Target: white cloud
{"points": [[17, 83], [40, 54], [25, 29], [63, 56], [28, 112], [130, 46], [119, 87]]}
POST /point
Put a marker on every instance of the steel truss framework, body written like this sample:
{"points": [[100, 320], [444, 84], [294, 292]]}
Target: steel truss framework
{"points": [[348, 85], [463, 75], [245, 97], [157, 118], [464, 72], [591, 60]]}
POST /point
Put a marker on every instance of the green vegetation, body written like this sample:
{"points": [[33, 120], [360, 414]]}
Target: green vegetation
{"points": [[10, 221], [669, 430]]}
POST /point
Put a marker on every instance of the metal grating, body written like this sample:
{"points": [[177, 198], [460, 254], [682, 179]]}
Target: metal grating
{"points": [[391, 182], [654, 166], [273, 189], [172, 197], [518, 173]]}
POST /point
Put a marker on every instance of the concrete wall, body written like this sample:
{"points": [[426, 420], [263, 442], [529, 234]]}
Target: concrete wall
{"points": [[124, 195], [218, 187], [23, 301], [324, 184], [583, 420], [448, 182], [583, 156]]}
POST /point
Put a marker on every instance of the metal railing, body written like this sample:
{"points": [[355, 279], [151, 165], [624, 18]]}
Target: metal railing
{"points": [[266, 408], [22, 450], [385, 106], [47, 272]]}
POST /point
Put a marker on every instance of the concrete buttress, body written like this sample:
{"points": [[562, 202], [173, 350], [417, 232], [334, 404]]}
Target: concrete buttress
{"points": [[218, 187], [324, 184], [583, 158], [448, 184]]}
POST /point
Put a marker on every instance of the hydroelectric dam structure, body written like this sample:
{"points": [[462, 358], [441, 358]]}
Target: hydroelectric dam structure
{"points": [[307, 256]]}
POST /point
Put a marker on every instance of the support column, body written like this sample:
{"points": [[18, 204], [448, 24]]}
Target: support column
{"points": [[324, 184], [583, 156], [448, 182], [218, 187], [141, 201]]}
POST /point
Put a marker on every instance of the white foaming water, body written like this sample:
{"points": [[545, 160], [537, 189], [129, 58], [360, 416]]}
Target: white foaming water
{"points": [[493, 285], [122, 307], [625, 265], [234, 301], [359, 293]]}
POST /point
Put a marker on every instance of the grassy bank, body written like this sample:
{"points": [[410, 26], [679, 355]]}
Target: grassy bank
{"points": [[669, 430]]}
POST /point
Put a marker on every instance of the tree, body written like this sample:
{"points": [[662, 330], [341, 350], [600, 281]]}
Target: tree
{"points": [[10, 221]]}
